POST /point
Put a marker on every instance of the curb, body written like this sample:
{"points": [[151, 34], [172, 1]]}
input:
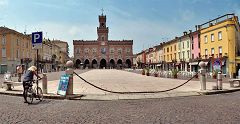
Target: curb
{"points": [[212, 92], [46, 96], [110, 97]]}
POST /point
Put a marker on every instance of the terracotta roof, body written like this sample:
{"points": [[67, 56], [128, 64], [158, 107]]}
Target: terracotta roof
{"points": [[5, 30]]}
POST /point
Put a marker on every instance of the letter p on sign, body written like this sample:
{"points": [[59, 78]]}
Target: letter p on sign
{"points": [[36, 36]]}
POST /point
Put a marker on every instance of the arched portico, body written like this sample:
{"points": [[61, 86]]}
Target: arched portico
{"points": [[103, 63], [128, 63], [86, 63], [77, 63], [94, 63], [119, 63], [112, 63]]}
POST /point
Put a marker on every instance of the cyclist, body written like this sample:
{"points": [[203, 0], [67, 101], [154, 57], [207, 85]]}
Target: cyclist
{"points": [[28, 76]]}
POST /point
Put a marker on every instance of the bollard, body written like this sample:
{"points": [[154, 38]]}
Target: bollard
{"points": [[202, 72], [69, 71], [44, 83], [219, 81]]}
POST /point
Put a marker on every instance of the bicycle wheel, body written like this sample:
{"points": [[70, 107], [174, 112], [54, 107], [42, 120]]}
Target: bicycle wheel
{"points": [[39, 93], [29, 95]]}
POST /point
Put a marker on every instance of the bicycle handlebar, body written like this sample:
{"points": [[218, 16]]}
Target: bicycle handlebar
{"points": [[36, 80]]}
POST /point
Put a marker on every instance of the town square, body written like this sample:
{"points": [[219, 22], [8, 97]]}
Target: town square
{"points": [[127, 61]]}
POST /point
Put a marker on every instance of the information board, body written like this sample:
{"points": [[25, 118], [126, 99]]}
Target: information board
{"points": [[63, 84], [217, 64]]}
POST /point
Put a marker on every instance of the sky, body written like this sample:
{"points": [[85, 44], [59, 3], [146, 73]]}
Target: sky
{"points": [[146, 22]]}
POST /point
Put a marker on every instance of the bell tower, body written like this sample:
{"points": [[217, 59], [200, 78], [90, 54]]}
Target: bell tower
{"points": [[102, 30]]}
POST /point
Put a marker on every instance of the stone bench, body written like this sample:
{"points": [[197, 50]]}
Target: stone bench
{"points": [[231, 81], [10, 84]]}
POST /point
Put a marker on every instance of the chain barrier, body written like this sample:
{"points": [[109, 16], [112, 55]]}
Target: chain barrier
{"points": [[118, 92]]}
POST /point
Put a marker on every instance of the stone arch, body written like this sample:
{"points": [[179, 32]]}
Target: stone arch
{"points": [[86, 63], [112, 63], [94, 63], [119, 63], [103, 63], [77, 63], [128, 63]]}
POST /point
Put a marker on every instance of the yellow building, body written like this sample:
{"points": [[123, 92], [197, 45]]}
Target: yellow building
{"points": [[220, 41], [16, 49], [170, 54]]}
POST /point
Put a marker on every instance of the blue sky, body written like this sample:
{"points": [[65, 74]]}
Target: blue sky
{"points": [[146, 22]]}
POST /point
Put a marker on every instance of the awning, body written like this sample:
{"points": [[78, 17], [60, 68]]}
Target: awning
{"points": [[194, 63], [159, 64], [177, 64]]}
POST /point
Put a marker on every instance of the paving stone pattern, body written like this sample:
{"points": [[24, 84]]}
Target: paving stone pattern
{"points": [[213, 109]]}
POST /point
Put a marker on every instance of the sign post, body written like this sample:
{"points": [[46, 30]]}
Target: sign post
{"points": [[37, 44]]}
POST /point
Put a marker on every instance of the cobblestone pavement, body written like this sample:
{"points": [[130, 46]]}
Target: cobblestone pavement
{"points": [[215, 109]]}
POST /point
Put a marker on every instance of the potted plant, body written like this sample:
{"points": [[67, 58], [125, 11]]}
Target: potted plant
{"points": [[156, 72], [214, 74], [174, 73], [147, 71], [143, 71]]}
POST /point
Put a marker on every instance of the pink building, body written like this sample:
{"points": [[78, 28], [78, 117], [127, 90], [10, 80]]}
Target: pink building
{"points": [[195, 39], [195, 45]]}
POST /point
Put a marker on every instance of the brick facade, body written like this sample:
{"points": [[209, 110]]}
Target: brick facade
{"points": [[103, 53]]}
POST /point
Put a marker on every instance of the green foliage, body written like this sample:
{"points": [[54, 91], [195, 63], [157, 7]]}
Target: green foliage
{"points": [[147, 70], [174, 71], [215, 72]]}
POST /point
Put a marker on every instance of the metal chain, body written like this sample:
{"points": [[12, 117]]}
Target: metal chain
{"points": [[118, 92]]}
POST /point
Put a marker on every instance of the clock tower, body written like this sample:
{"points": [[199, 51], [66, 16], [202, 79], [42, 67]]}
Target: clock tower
{"points": [[102, 30]]}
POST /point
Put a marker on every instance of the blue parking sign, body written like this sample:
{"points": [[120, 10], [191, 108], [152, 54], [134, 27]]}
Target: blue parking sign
{"points": [[36, 38]]}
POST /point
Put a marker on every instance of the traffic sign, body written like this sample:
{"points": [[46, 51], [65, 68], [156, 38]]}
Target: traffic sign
{"points": [[37, 40]]}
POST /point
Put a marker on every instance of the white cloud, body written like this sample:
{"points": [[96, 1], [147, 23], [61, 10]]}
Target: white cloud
{"points": [[3, 3], [186, 15], [145, 33], [118, 12]]}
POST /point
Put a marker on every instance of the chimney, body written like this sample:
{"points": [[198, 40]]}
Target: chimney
{"points": [[184, 33], [196, 27], [199, 27], [210, 24]]}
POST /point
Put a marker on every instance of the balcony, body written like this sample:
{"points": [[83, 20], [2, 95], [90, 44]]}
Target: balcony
{"points": [[26, 60]]}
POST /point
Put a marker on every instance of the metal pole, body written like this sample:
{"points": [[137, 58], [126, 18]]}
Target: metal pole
{"points": [[37, 70], [219, 80]]}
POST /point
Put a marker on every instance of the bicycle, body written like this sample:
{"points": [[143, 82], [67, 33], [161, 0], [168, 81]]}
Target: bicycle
{"points": [[33, 93]]}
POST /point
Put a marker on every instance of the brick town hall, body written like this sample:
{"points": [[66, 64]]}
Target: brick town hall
{"points": [[103, 53]]}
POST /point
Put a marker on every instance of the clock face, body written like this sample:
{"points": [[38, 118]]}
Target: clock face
{"points": [[102, 43]]}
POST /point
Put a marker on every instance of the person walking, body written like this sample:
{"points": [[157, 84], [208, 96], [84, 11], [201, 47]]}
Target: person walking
{"points": [[28, 77], [19, 72]]}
